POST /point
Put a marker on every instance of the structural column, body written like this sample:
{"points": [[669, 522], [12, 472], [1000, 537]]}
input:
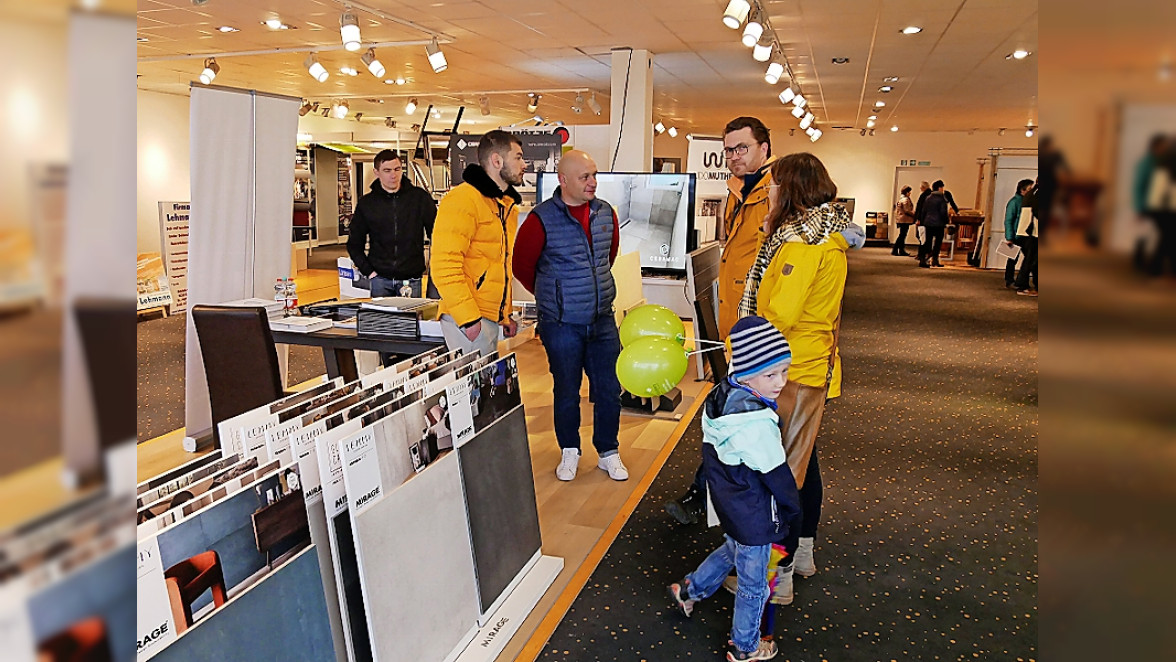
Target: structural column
{"points": [[631, 128]]}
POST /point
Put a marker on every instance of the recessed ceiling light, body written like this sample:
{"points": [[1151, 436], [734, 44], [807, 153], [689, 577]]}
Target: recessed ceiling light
{"points": [[142, 39], [879, 104], [348, 71], [894, 128], [890, 79], [228, 28], [872, 117], [273, 23], [1019, 54], [840, 60], [885, 89], [912, 29]]}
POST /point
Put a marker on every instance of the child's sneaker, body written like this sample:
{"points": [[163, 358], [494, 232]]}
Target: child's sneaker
{"points": [[680, 595], [765, 651]]}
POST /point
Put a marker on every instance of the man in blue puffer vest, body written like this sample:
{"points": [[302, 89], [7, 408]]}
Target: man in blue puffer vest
{"points": [[564, 254]]}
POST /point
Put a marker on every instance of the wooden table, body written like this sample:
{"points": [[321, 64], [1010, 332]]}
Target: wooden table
{"points": [[339, 346]]}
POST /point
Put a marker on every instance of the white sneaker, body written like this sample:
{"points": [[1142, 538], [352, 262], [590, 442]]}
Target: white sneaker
{"points": [[803, 563], [782, 594], [614, 467], [567, 464]]}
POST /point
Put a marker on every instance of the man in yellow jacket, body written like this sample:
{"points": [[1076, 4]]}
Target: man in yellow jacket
{"points": [[748, 150], [472, 242]]}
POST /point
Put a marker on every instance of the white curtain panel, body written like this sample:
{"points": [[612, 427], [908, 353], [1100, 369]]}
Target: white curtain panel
{"points": [[242, 165]]}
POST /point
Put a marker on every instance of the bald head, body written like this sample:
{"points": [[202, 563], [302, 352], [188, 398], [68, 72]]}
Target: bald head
{"points": [[577, 178]]}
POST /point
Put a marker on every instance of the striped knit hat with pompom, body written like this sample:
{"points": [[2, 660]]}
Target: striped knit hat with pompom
{"points": [[756, 347]]}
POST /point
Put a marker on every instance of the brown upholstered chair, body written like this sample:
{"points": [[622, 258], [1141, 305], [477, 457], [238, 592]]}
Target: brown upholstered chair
{"points": [[188, 580], [240, 360], [85, 641]]}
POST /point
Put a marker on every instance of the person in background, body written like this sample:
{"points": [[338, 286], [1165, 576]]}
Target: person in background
{"points": [[564, 255], [1012, 218], [387, 236], [1052, 172], [1028, 229], [751, 485], [904, 215], [934, 221], [472, 243]]}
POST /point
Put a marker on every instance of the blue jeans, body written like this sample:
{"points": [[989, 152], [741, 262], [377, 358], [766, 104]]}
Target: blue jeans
{"points": [[387, 287], [751, 564], [574, 350]]}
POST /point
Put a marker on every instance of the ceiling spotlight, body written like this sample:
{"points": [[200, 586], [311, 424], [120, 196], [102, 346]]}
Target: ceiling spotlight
{"points": [[349, 29], [594, 104], [890, 79], [436, 114], [885, 89], [659, 128], [1001, 132], [673, 131], [348, 71], [840, 60], [358, 116], [871, 132], [211, 69], [775, 70], [373, 65], [872, 117], [816, 135], [316, 69], [752, 32], [870, 124], [1029, 131], [578, 105], [228, 28], [808, 131], [787, 95], [273, 23], [798, 112], [863, 132], [142, 40], [911, 29], [736, 13], [436, 57], [339, 110], [305, 108], [690, 137], [1019, 54], [762, 51], [792, 132], [326, 112], [532, 102], [799, 101], [893, 128], [411, 106], [879, 104], [389, 122], [484, 104], [807, 121]]}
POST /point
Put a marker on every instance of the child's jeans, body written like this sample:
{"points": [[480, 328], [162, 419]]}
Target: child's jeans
{"points": [[751, 564]]}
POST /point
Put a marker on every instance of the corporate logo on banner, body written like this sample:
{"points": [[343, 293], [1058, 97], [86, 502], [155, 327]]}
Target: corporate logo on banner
{"points": [[705, 159]]}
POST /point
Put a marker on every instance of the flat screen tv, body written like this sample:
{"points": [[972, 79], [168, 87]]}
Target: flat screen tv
{"points": [[655, 212]]}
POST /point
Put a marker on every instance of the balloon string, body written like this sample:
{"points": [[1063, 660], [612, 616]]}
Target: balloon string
{"points": [[700, 341], [700, 351]]}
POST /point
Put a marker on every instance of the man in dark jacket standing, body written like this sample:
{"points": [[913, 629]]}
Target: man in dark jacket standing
{"points": [[396, 216], [934, 222], [564, 255]]}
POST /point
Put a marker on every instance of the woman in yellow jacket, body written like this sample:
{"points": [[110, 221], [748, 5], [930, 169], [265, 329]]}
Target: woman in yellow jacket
{"points": [[797, 282], [469, 262]]}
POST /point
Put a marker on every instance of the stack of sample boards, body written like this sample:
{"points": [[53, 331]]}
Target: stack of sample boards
{"points": [[384, 519]]}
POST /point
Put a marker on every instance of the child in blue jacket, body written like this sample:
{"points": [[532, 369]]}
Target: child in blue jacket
{"points": [[750, 484]]}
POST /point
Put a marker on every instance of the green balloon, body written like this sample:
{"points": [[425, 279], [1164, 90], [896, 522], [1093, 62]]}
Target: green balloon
{"points": [[651, 366], [652, 321]]}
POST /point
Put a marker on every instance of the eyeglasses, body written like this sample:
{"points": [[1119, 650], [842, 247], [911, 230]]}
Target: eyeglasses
{"points": [[738, 150]]}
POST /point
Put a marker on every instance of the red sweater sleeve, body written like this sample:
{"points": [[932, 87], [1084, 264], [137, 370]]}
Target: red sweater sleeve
{"points": [[616, 240], [528, 245]]}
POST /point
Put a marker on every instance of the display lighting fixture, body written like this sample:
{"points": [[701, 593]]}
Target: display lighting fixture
{"points": [[817, 133], [389, 122], [807, 121], [373, 65], [484, 104], [349, 29], [798, 112], [690, 137], [673, 131], [1029, 131], [533, 102], [316, 69], [436, 57], [893, 128], [1000, 132], [787, 95], [578, 104], [211, 69], [275, 24], [863, 133], [411, 106], [870, 124], [735, 13], [808, 131], [228, 28], [872, 117], [659, 128], [436, 114], [886, 89], [348, 71], [762, 51], [775, 70], [305, 108], [752, 31], [879, 104], [799, 101], [871, 132], [1019, 54], [339, 110], [890, 79], [594, 104], [142, 40], [911, 29]]}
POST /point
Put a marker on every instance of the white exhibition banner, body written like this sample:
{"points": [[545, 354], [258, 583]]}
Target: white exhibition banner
{"points": [[704, 158], [242, 165], [173, 234]]}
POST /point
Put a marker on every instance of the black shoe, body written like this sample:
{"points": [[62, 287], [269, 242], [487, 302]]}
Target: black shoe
{"points": [[689, 509], [923, 264], [904, 254]]}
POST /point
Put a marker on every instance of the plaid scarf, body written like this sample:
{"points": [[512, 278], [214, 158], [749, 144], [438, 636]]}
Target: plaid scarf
{"points": [[812, 227]]}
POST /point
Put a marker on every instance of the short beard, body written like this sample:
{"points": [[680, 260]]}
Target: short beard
{"points": [[516, 180]]}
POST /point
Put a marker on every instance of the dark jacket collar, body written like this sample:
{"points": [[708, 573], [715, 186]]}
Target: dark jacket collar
{"points": [[475, 175], [405, 185]]}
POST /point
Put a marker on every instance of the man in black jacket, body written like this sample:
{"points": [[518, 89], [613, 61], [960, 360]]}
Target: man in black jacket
{"points": [[396, 216], [934, 220]]}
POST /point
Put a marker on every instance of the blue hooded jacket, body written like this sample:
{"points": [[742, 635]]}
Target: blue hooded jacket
{"points": [[750, 482]]}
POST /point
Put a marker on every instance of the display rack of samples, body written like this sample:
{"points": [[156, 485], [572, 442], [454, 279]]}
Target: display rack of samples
{"points": [[330, 518]]}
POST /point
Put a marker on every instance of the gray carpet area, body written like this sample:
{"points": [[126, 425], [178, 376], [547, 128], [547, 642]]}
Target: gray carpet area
{"points": [[928, 542]]}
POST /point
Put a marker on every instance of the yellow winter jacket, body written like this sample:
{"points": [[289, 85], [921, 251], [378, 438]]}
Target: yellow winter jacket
{"points": [[472, 242], [744, 222], [800, 294]]}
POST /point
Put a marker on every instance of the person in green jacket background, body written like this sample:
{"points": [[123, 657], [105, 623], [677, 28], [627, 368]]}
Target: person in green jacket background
{"points": [[1012, 214]]}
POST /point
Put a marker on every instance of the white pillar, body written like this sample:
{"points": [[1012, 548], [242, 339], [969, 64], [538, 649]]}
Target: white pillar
{"points": [[631, 113]]}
